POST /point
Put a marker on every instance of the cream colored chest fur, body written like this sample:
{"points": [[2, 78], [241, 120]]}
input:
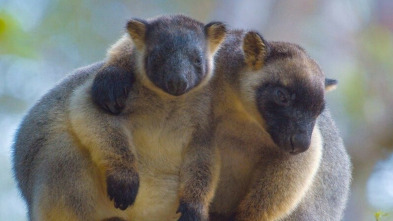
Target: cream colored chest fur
{"points": [[159, 147], [160, 137]]}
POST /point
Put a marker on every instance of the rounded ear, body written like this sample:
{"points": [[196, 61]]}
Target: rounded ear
{"points": [[255, 50], [330, 84], [137, 29], [215, 33]]}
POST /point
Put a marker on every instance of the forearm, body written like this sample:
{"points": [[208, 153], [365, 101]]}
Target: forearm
{"points": [[198, 177], [108, 142]]}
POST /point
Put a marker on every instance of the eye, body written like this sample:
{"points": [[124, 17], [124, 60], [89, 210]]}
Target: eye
{"points": [[197, 61], [281, 97]]}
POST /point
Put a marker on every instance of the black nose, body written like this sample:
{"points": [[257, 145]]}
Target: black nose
{"points": [[300, 143], [176, 85]]}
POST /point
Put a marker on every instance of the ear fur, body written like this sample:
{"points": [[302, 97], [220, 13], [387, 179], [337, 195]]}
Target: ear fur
{"points": [[215, 33], [137, 29], [330, 84], [255, 50]]}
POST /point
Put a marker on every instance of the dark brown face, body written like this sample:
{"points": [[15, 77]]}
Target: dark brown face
{"points": [[290, 113], [176, 51], [176, 61], [285, 88]]}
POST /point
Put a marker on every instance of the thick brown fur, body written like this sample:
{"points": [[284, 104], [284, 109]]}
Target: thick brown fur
{"points": [[166, 136], [157, 156], [163, 136], [258, 180]]}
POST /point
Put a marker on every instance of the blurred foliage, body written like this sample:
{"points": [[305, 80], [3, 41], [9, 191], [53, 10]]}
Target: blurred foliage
{"points": [[353, 86], [378, 43], [379, 215], [13, 40]]}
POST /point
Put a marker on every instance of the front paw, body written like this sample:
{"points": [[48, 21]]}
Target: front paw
{"points": [[111, 87], [122, 188], [191, 212]]}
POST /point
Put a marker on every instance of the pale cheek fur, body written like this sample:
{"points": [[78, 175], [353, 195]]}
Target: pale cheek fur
{"points": [[208, 76], [249, 86]]}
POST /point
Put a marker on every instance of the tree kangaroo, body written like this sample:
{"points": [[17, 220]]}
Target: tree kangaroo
{"points": [[71, 159]]}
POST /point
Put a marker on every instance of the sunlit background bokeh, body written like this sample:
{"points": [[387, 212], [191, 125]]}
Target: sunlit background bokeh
{"points": [[352, 40]]}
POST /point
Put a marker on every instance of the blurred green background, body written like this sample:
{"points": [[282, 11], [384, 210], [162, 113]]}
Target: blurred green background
{"points": [[352, 40]]}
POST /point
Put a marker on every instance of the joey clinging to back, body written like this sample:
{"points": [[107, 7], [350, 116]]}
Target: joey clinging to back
{"points": [[170, 55], [289, 94]]}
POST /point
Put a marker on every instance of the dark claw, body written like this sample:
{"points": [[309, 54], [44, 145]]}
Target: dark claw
{"points": [[122, 188], [111, 87], [110, 109], [114, 219], [189, 213]]}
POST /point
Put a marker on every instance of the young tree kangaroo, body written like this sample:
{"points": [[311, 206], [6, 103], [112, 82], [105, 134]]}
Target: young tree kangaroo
{"points": [[71, 159], [269, 108]]}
